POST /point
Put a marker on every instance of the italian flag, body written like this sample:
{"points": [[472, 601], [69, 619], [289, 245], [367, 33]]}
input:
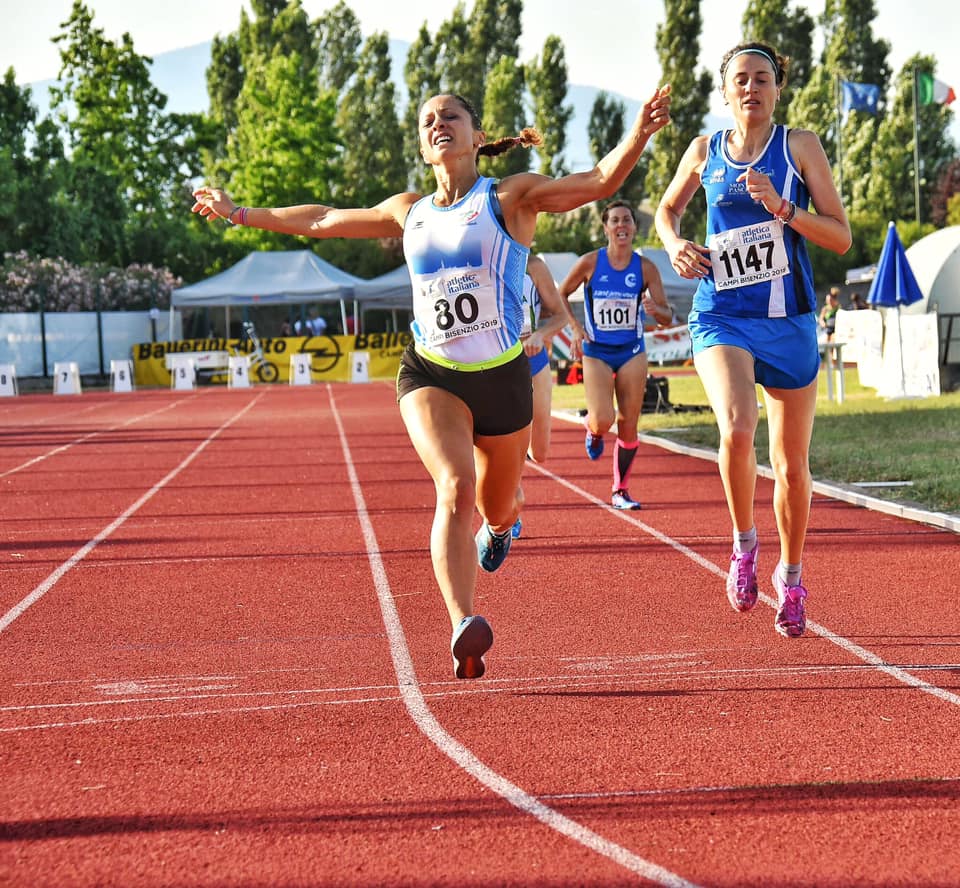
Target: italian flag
{"points": [[931, 90]]}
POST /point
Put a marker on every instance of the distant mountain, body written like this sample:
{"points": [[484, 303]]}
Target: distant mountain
{"points": [[181, 75]]}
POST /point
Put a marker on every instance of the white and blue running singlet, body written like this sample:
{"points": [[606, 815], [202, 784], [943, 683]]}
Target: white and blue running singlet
{"points": [[467, 276], [759, 266], [612, 308]]}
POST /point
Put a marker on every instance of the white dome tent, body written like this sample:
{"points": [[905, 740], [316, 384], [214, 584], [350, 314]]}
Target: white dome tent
{"points": [[935, 260]]}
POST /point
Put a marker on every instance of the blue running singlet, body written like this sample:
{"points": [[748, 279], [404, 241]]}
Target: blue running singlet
{"points": [[760, 267]]}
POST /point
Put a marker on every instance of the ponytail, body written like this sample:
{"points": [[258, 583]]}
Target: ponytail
{"points": [[528, 137]]}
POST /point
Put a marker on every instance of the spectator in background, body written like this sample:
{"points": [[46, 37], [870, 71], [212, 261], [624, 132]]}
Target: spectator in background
{"points": [[286, 329], [316, 324], [857, 302], [828, 314]]}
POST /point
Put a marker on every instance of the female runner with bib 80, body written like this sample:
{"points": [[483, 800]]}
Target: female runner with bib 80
{"points": [[754, 313], [464, 386]]}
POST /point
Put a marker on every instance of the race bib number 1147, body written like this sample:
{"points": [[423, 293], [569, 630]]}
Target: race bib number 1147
{"points": [[748, 255]]}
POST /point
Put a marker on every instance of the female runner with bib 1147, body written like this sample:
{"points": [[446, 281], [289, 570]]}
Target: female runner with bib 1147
{"points": [[464, 383], [754, 313]]}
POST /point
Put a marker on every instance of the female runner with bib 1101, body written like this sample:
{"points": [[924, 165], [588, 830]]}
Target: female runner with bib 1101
{"points": [[754, 318], [464, 383], [620, 288]]}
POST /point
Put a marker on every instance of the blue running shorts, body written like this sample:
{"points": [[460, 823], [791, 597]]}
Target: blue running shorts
{"points": [[539, 361], [614, 356], [785, 350]]}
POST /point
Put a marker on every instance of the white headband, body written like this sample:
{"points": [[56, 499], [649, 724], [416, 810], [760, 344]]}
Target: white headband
{"points": [[766, 55]]}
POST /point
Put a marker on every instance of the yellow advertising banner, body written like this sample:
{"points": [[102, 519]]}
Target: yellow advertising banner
{"points": [[331, 358]]}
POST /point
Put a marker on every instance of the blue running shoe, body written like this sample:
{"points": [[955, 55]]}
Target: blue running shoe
{"points": [[517, 529], [492, 547], [620, 499], [471, 640], [594, 445]]}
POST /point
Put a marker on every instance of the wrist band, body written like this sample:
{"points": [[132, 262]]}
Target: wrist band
{"points": [[788, 209], [243, 215]]}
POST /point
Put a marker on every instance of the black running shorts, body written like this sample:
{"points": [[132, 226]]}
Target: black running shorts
{"points": [[500, 398]]}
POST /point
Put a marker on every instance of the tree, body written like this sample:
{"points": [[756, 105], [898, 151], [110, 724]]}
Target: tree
{"points": [[373, 166], [422, 80], [128, 159], [279, 27], [945, 193], [503, 116], [17, 119], [284, 150], [790, 33], [850, 53], [678, 46], [891, 188], [454, 57], [337, 38], [546, 78]]}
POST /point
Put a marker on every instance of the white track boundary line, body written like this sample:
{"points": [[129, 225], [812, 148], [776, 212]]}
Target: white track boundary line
{"points": [[824, 488], [845, 644], [82, 438], [461, 756], [21, 607]]}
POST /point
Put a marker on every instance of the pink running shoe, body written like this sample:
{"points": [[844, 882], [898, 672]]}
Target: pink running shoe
{"points": [[742, 580], [791, 619]]}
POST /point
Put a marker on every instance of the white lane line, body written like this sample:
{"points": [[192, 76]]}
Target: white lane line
{"points": [[424, 719], [21, 607], [532, 684], [87, 437], [874, 660]]}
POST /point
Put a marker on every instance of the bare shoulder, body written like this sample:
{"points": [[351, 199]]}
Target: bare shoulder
{"points": [[803, 141], [695, 157], [398, 205]]}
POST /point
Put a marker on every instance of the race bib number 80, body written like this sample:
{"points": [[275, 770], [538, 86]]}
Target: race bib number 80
{"points": [[456, 304], [748, 255]]}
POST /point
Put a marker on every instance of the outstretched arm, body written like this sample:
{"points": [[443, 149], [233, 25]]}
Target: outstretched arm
{"points": [[524, 195], [310, 220]]}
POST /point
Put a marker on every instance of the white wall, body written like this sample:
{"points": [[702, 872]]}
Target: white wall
{"points": [[74, 336]]}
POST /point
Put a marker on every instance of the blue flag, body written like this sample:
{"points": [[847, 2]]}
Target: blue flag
{"points": [[859, 96]]}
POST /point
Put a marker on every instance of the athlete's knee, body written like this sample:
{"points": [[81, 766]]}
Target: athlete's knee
{"points": [[456, 494]]}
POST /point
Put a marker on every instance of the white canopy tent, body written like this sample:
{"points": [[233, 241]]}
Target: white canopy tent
{"points": [[282, 277]]}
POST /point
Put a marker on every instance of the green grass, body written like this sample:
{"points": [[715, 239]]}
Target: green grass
{"points": [[866, 438]]}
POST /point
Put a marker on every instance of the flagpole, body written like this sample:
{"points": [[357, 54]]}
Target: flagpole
{"points": [[839, 140], [916, 150]]}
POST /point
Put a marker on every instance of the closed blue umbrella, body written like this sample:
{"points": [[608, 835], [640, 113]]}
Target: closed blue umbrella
{"points": [[894, 285]]}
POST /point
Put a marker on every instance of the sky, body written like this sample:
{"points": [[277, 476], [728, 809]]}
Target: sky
{"points": [[616, 53]]}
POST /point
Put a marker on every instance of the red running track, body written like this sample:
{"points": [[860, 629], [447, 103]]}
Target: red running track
{"points": [[225, 663]]}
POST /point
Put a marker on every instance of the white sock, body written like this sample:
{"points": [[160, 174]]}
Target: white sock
{"points": [[744, 542]]}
